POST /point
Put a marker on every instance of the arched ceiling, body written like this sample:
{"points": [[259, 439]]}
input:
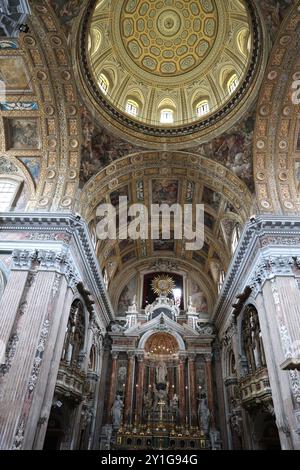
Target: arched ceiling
{"points": [[277, 141], [170, 55], [216, 173], [168, 178]]}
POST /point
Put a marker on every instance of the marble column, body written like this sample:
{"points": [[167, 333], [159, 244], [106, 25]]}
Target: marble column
{"points": [[192, 390], [181, 388], [32, 338], [129, 389], [171, 382], [278, 306], [140, 388], [112, 385], [209, 384]]}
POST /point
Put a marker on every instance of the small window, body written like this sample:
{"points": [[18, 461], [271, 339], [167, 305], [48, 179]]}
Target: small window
{"points": [[8, 191], [202, 108], [235, 238], [221, 280], [167, 116], [105, 278], [233, 84], [103, 84], [132, 108]]}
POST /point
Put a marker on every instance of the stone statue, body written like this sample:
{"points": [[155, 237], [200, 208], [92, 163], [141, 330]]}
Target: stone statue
{"points": [[215, 440], [204, 415], [161, 373], [117, 411], [160, 396], [174, 403]]}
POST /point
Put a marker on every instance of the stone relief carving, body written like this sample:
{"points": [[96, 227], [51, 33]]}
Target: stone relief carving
{"points": [[39, 356], [19, 437]]}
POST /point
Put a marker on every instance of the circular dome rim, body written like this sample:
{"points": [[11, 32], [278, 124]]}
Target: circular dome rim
{"points": [[187, 135]]}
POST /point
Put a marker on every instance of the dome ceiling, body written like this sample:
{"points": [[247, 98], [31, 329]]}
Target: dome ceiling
{"points": [[162, 69]]}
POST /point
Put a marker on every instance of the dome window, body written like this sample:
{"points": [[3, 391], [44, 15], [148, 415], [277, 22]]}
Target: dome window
{"points": [[132, 108], [233, 84], [202, 108], [103, 84], [166, 116]]}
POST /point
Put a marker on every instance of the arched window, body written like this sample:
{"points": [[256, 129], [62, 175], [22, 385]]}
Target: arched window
{"points": [[132, 108], [103, 84], [93, 359], [232, 364], [252, 340], [8, 193], [233, 83], [221, 280], [105, 278], [167, 116], [2, 283], [202, 108], [236, 234]]}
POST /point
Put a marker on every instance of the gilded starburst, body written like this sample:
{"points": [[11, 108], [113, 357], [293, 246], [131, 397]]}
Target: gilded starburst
{"points": [[163, 285]]}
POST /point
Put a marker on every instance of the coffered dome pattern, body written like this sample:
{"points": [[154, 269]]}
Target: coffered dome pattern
{"points": [[158, 70], [169, 38]]}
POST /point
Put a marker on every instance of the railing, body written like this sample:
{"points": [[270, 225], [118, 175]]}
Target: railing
{"points": [[255, 388], [70, 380]]}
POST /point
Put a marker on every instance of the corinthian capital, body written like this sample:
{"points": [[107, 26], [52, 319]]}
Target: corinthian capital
{"points": [[23, 259]]}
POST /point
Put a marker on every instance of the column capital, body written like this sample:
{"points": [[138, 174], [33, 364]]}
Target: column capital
{"points": [[140, 357], [23, 259], [208, 357], [131, 354], [275, 265], [192, 357], [115, 355]]}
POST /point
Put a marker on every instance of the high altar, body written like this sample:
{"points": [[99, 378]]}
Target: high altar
{"points": [[159, 389]]}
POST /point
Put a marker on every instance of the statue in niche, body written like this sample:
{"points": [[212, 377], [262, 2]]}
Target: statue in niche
{"points": [[204, 415], [174, 404], [117, 412], [161, 373], [160, 395]]}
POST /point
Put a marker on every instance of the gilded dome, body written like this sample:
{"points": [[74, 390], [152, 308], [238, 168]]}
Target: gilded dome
{"points": [[167, 68], [167, 39]]}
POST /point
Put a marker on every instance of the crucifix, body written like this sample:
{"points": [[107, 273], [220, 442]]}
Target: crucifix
{"points": [[161, 404]]}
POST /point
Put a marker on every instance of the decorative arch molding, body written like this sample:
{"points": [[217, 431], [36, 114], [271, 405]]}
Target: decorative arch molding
{"points": [[13, 168], [45, 53], [183, 165], [152, 332], [277, 125], [149, 266]]}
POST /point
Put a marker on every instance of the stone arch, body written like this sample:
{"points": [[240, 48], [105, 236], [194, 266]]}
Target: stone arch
{"points": [[277, 124], [54, 108], [148, 334]]}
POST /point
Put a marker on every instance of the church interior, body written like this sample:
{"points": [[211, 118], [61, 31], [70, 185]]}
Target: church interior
{"points": [[124, 343]]}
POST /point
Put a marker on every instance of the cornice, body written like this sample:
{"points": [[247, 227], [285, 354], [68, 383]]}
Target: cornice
{"points": [[75, 228], [268, 243]]}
